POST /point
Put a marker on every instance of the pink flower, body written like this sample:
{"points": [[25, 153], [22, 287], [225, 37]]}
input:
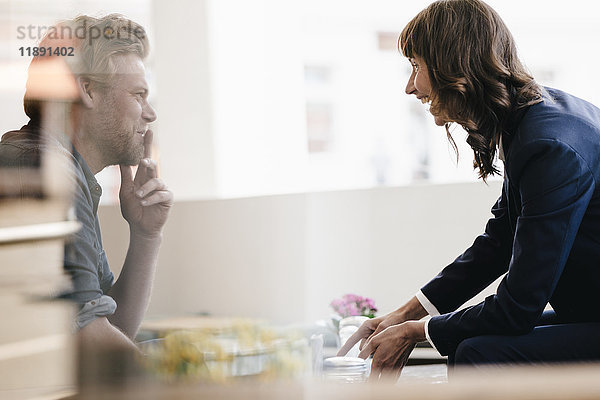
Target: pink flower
{"points": [[351, 298], [370, 303], [352, 304], [353, 309]]}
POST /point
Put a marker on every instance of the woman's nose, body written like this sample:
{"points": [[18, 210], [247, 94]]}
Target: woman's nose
{"points": [[410, 85]]}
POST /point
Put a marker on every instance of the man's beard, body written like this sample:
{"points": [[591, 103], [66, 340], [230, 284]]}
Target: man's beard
{"points": [[123, 150], [132, 157]]}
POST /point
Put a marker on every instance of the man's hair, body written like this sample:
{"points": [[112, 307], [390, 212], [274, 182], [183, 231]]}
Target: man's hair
{"points": [[477, 79], [95, 43]]}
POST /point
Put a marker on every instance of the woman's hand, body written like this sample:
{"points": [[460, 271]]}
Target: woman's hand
{"points": [[371, 328], [412, 310], [391, 347]]}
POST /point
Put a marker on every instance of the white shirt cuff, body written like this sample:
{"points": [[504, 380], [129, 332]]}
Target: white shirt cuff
{"points": [[427, 305], [429, 337]]}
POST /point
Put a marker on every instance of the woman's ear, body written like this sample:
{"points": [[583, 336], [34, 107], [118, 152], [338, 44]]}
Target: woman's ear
{"points": [[85, 92]]}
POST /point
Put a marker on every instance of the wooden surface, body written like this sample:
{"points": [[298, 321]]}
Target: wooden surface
{"points": [[514, 383], [37, 349], [18, 212], [38, 232]]}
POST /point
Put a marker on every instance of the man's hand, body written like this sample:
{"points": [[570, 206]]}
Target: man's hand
{"points": [[145, 199], [145, 204], [391, 348]]}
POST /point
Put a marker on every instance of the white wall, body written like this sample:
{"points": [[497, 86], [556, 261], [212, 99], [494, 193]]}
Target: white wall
{"points": [[286, 257], [229, 97], [183, 97]]}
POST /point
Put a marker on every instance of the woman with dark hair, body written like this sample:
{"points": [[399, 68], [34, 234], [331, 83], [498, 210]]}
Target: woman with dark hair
{"points": [[544, 236]]}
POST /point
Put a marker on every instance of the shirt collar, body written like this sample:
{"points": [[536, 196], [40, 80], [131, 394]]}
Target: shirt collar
{"points": [[87, 172], [94, 187]]}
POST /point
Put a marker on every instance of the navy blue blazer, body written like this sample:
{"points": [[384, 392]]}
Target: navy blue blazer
{"points": [[544, 234]]}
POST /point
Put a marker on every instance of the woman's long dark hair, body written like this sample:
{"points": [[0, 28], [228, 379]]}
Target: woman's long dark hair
{"points": [[476, 77]]}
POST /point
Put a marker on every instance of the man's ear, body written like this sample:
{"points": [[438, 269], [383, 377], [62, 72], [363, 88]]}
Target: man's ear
{"points": [[85, 91]]}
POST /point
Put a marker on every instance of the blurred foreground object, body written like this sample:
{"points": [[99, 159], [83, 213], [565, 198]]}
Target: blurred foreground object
{"points": [[559, 382], [37, 350], [228, 352], [44, 172]]}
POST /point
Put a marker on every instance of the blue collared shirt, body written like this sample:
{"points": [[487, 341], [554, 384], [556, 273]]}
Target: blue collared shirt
{"points": [[84, 257]]}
